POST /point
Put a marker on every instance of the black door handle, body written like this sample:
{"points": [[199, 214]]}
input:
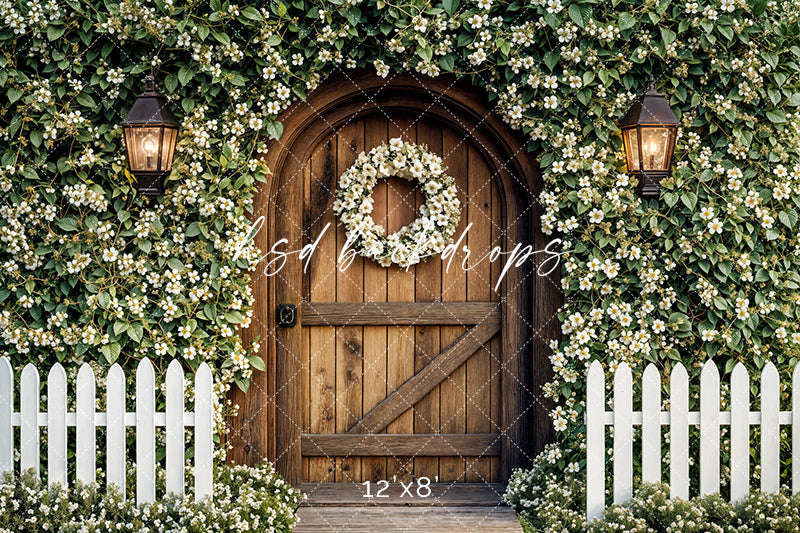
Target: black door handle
{"points": [[286, 315]]}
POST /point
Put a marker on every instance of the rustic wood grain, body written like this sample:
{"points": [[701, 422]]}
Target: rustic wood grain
{"points": [[349, 338], [400, 288], [288, 345], [495, 346], [423, 381], [433, 445], [479, 289], [375, 337], [453, 402], [320, 275], [408, 520], [422, 313], [428, 288], [442, 494]]}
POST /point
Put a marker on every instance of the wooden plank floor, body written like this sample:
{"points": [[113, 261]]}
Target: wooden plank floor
{"points": [[461, 508]]}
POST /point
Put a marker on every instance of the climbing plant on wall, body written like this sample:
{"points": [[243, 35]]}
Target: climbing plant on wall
{"points": [[92, 272]]}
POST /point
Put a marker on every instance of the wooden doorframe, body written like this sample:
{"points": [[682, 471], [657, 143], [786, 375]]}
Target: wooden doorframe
{"points": [[264, 428]]}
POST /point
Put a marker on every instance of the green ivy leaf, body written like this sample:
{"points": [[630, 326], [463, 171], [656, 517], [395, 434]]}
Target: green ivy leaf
{"points": [[36, 138], [251, 13], [257, 363], [626, 21], [551, 58], [450, 6], [185, 75], [576, 15], [120, 327], [776, 116], [689, 199], [171, 83], [67, 223], [135, 332], [54, 32], [274, 129], [243, 384], [13, 95], [234, 317], [788, 218], [447, 62], [103, 299]]}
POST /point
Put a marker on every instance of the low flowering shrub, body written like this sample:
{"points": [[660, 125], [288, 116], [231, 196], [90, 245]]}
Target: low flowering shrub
{"points": [[244, 499], [545, 500], [652, 510]]}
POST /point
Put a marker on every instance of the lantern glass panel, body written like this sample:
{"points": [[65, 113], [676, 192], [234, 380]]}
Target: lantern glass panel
{"points": [[632, 148], [168, 148], [655, 142], [143, 147]]}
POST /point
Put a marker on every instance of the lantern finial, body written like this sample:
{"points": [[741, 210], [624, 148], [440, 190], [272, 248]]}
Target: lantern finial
{"points": [[651, 84]]}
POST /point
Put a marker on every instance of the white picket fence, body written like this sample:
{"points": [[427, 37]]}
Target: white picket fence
{"points": [[679, 418], [116, 419]]}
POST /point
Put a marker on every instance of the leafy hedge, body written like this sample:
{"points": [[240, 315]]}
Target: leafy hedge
{"points": [[651, 510], [91, 271], [243, 499]]}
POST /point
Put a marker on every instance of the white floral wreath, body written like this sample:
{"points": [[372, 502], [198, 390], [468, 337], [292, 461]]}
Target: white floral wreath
{"points": [[427, 235]]}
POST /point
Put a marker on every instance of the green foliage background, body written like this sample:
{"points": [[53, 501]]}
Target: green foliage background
{"points": [[660, 280]]}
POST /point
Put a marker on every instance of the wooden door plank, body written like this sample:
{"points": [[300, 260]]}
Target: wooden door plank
{"points": [[418, 445], [495, 345], [423, 381], [349, 339], [321, 280], [479, 289], [400, 340], [452, 405], [287, 282], [442, 494], [309, 228], [427, 345], [432, 313], [374, 348], [516, 352]]}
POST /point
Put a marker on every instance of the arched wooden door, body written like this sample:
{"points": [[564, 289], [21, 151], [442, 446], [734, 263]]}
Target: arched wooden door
{"points": [[393, 373]]}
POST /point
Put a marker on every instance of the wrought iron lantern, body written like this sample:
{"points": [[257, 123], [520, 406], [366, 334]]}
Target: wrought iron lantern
{"points": [[151, 132], [648, 134]]}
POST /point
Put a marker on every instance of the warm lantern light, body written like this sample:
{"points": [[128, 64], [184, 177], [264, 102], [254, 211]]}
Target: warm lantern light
{"points": [[648, 133], [151, 132]]}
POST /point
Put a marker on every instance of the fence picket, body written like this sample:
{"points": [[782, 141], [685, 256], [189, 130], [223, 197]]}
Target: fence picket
{"points": [[29, 418], [116, 420], [709, 418], [651, 425], [595, 441], [57, 426], [6, 412], [709, 428], [203, 434], [679, 433], [770, 429], [145, 433], [86, 444], [740, 432], [795, 430], [115, 431], [175, 428], [623, 434]]}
